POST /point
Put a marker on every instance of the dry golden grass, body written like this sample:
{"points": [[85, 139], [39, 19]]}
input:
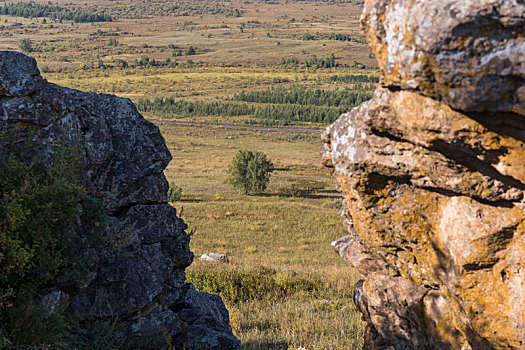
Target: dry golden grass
{"points": [[288, 235]]}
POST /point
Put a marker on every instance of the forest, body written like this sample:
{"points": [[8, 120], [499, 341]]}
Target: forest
{"points": [[273, 106], [57, 13]]}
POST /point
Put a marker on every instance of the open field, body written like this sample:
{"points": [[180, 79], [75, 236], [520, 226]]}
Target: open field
{"points": [[194, 50], [264, 32], [284, 287]]}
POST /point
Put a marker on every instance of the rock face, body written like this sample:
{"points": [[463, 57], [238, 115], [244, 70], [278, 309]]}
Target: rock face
{"points": [[432, 170], [138, 277]]}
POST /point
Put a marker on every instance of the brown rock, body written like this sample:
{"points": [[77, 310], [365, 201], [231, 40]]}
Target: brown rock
{"points": [[470, 54], [432, 171]]}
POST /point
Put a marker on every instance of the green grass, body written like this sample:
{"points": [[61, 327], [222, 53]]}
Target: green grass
{"points": [[284, 286]]}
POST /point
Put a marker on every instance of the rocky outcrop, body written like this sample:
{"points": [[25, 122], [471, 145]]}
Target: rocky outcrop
{"points": [[432, 171], [137, 277]]}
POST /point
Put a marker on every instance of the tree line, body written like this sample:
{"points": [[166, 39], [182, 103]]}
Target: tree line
{"points": [[354, 78], [300, 95], [181, 8], [282, 106], [274, 114], [312, 61], [332, 36], [34, 10]]}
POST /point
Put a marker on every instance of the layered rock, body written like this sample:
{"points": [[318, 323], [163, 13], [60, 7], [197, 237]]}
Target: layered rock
{"points": [[432, 170], [137, 277]]}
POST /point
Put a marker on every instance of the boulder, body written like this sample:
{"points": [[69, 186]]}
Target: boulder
{"points": [[432, 173], [469, 54], [138, 276], [214, 257]]}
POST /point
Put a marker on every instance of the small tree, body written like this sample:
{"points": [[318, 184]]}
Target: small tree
{"points": [[249, 171], [190, 51], [25, 45]]}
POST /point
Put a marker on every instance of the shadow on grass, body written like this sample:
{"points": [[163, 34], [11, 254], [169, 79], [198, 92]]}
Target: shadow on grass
{"points": [[189, 200], [263, 345], [281, 169], [334, 195]]}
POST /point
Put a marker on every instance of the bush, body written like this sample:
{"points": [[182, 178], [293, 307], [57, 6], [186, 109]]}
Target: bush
{"points": [[255, 283], [174, 193], [249, 171], [37, 208], [39, 205]]}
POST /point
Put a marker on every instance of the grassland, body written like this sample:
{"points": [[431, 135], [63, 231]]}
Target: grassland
{"points": [[284, 287]]}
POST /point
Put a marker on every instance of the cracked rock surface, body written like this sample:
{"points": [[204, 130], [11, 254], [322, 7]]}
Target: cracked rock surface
{"points": [[432, 171], [138, 277]]}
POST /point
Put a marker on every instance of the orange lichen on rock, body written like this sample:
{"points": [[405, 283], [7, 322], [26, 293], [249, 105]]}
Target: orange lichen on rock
{"points": [[432, 172]]}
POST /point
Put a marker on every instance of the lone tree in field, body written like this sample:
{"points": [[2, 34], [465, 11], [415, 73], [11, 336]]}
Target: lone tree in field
{"points": [[25, 45], [249, 171]]}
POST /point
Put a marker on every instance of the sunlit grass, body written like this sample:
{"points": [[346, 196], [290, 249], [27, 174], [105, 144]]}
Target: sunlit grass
{"points": [[284, 286]]}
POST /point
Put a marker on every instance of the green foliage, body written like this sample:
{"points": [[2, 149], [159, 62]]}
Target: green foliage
{"points": [[332, 36], [256, 283], [145, 61], [121, 63], [249, 171], [32, 10], [174, 193], [190, 51], [302, 96], [25, 45], [38, 207], [354, 78], [282, 106], [34, 325], [312, 61], [185, 8]]}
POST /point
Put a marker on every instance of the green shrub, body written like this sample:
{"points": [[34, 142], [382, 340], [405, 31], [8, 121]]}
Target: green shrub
{"points": [[34, 325], [174, 193], [259, 283], [38, 207], [25, 45]]}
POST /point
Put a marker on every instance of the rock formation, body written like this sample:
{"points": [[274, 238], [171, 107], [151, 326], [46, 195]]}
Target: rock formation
{"points": [[432, 171], [138, 278]]}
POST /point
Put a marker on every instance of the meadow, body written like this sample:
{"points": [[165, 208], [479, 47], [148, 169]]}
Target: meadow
{"points": [[252, 62], [283, 286]]}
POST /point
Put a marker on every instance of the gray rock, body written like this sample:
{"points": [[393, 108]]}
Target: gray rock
{"points": [[214, 257], [137, 276], [54, 298]]}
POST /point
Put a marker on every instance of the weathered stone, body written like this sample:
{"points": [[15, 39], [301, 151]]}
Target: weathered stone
{"points": [[470, 54], [214, 257], [137, 275], [433, 177], [55, 298]]}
